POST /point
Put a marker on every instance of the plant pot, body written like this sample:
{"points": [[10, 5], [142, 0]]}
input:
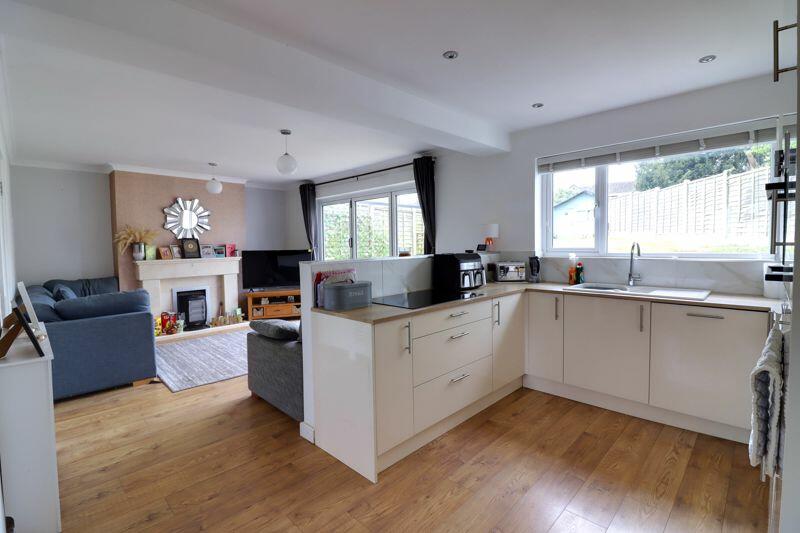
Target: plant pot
{"points": [[138, 251]]}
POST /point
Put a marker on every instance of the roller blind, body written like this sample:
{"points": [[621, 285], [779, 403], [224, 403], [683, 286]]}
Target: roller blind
{"points": [[625, 153]]}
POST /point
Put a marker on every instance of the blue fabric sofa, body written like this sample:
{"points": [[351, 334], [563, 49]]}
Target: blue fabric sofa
{"points": [[101, 338]]}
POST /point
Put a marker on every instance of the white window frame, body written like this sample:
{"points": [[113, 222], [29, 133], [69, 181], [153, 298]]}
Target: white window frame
{"points": [[391, 193], [600, 248]]}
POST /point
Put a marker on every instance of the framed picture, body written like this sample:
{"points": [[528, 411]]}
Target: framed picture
{"points": [[219, 250], [27, 327], [230, 250], [150, 252], [207, 250], [177, 253], [191, 248], [164, 252]]}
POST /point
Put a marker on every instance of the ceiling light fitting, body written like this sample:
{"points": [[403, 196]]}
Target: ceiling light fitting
{"points": [[450, 54], [286, 164], [537, 105], [707, 59], [213, 186]]}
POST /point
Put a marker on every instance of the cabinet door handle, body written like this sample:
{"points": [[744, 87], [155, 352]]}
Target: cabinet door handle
{"points": [[462, 334], [641, 318], [701, 315], [461, 313], [555, 301], [459, 378], [408, 327], [498, 313]]}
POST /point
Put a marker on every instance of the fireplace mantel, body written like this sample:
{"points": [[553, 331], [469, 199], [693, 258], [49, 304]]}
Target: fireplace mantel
{"points": [[151, 275]]}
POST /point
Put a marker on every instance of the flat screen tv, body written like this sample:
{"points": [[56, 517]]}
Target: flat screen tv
{"points": [[262, 269]]}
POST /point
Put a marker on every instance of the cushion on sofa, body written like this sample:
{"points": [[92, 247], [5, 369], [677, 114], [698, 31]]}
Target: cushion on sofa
{"points": [[277, 329], [86, 287], [116, 303], [43, 305], [62, 292]]}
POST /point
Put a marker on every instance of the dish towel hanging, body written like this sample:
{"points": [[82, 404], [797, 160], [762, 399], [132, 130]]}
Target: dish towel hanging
{"points": [[766, 382]]}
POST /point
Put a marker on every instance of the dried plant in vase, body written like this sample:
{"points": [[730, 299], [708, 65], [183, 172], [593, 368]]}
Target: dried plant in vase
{"points": [[136, 238]]}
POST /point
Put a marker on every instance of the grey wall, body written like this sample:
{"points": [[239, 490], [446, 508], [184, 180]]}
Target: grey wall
{"points": [[265, 216], [62, 224]]}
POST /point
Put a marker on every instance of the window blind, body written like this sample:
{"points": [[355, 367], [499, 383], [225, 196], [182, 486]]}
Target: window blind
{"points": [[628, 152]]}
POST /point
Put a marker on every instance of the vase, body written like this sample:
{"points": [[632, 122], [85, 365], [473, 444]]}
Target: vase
{"points": [[138, 251]]}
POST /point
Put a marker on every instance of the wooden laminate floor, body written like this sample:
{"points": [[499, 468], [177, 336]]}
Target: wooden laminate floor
{"points": [[214, 458]]}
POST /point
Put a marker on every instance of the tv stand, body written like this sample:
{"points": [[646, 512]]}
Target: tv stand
{"points": [[279, 305]]}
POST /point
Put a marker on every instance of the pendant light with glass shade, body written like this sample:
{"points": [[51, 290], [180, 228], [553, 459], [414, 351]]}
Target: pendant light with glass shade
{"points": [[213, 186], [286, 164]]}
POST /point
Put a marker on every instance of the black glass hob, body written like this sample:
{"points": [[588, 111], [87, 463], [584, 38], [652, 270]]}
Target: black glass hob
{"points": [[418, 299]]}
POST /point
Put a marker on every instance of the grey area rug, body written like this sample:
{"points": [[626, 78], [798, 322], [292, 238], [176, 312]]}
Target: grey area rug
{"points": [[186, 364]]}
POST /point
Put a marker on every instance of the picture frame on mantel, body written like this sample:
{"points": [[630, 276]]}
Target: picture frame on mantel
{"points": [[165, 252], [191, 248], [207, 251]]}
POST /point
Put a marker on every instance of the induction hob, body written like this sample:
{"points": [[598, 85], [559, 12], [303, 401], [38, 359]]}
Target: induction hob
{"points": [[418, 299]]}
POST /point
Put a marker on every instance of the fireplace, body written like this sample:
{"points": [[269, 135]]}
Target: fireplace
{"points": [[193, 305]]}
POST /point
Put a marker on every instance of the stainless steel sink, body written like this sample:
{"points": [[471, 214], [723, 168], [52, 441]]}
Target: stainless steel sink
{"points": [[641, 290]]}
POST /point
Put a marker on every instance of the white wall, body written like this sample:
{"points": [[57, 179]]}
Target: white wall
{"points": [[295, 227], [471, 191], [265, 216], [62, 224]]}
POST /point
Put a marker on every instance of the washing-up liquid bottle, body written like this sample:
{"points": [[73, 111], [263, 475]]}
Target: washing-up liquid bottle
{"points": [[579, 272], [572, 278]]}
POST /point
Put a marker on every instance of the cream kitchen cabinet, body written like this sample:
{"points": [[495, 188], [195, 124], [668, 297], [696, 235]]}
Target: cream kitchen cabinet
{"points": [[394, 395], [508, 339], [545, 336], [701, 360], [607, 346]]}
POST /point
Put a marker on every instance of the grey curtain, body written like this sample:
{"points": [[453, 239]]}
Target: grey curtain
{"points": [[426, 190], [308, 199]]}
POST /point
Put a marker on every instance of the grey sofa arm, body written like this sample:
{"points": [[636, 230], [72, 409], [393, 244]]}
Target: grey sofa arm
{"points": [[92, 354], [275, 372]]}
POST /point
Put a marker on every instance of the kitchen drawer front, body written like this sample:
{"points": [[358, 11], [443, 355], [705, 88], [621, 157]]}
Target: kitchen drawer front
{"points": [[450, 349], [445, 395], [701, 358], [436, 321]]}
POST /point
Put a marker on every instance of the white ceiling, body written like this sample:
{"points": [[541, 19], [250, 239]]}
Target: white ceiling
{"points": [[172, 85], [577, 56]]}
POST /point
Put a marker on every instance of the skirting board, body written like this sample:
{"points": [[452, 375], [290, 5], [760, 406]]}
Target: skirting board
{"points": [[419, 440], [307, 432], [639, 410]]}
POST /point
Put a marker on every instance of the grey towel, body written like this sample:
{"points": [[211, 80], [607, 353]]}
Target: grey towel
{"points": [[766, 383]]}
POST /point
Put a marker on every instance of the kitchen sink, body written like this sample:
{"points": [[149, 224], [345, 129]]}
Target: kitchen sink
{"points": [[641, 290]]}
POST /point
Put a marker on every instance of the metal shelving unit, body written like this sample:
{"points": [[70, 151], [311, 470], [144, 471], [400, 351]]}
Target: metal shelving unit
{"points": [[781, 194]]}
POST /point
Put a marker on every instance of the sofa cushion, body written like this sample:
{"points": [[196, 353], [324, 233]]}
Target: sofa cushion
{"points": [[43, 305], [277, 329], [62, 292], [116, 303], [86, 287]]}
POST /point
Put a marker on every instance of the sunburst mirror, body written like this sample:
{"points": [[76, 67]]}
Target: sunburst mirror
{"points": [[187, 219]]}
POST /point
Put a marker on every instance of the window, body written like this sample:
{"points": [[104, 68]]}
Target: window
{"points": [[700, 203], [372, 226]]}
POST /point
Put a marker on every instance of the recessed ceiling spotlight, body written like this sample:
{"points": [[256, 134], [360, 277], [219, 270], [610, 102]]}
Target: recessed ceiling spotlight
{"points": [[707, 59], [450, 54], [537, 105]]}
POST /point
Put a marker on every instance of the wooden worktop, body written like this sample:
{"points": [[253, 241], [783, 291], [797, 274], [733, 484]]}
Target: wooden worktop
{"points": [[376, 313]]}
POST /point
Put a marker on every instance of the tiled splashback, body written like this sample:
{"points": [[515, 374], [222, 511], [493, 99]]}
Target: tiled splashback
{"points": [[388, 276], [731, 276]]}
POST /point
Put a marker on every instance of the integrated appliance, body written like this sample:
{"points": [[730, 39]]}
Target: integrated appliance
{"points": [[454, 273], [510, 271], [419, 299], [272, 268]]}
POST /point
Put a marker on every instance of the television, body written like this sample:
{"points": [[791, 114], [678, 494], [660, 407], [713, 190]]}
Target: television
{"points": [[263, 269]]}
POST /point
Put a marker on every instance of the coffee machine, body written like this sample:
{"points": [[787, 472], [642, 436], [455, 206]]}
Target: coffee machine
{"points": [[458, 273]]}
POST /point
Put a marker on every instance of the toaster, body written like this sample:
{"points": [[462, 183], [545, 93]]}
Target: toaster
{"points": [[510, 271]]}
